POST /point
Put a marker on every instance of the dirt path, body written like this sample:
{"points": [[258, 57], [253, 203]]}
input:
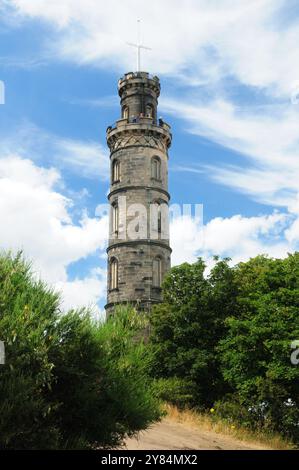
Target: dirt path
{"points": [[170, 435]]}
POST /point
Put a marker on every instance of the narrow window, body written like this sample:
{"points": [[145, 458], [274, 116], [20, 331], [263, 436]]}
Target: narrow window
{"points": [[157, 214], [115, 171], [115, 219], [157, 273], [159, 220], [125, 112], [114, 274], [156, 168], [149, 111]]}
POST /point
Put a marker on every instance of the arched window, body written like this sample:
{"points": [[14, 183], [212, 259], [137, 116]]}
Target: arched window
{"points": [[115, 219], [149, 111], [156, 168], [157, 272], [114, 274], [115, 171], [125, 112]]}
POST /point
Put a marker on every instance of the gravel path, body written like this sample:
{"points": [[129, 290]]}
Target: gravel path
{"points": [[169, 435]]}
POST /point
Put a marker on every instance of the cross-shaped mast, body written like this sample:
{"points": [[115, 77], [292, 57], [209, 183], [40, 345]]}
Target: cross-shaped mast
{"points": [[138, 46]]}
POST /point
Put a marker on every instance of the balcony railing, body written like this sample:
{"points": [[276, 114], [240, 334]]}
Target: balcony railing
{"points": [[140, 120]]}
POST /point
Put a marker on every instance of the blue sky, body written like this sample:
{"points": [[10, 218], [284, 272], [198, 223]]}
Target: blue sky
{"points": [[230, 90]]}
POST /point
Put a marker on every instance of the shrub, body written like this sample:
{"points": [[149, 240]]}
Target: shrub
{"points": [[186, 328], [229, 334], [68, 381], [255, 353], [231, 411], [174, 390]]}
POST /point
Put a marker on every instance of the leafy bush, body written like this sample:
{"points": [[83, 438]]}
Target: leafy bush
{"points": [[173, 390], [232, 411], [255, 353], [68, 382], [230, 334], [186, 328]]}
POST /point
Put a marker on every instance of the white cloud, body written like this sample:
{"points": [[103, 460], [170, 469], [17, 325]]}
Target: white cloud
{"points": [[36, 218], [243, 237], [186, 236], [25, 172], [201, 38], [267, 137], [85, 292], [236, 237], [87, 158]]}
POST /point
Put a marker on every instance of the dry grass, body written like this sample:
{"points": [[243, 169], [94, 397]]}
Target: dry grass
{"points": [[212, 423]]}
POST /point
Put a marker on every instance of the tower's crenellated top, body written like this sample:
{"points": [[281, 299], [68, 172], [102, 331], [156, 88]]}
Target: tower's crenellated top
{"points": [[139, 92], [135, 77]]}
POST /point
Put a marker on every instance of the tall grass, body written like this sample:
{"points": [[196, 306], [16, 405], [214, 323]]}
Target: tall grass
{"points": [[210, 422]]}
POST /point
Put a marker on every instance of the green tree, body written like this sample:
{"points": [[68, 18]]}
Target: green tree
{"points": [[187, 326], [256, 351], [68, 381]]}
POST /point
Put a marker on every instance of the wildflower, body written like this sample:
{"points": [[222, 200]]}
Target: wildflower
{"points": [[212, 410]]}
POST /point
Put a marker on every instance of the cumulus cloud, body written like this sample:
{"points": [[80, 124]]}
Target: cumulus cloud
{"points": [[237, 237], [85, 292], [243, 237], [186, 235]]}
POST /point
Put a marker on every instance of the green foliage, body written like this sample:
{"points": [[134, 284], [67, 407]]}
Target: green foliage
{"points": [[186, 328], [230, 410], [255, 354], [173, 390], [68, 382], [229, 334]]}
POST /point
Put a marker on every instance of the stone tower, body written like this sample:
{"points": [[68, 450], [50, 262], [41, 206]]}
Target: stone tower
{"points": [[138, 250]]}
